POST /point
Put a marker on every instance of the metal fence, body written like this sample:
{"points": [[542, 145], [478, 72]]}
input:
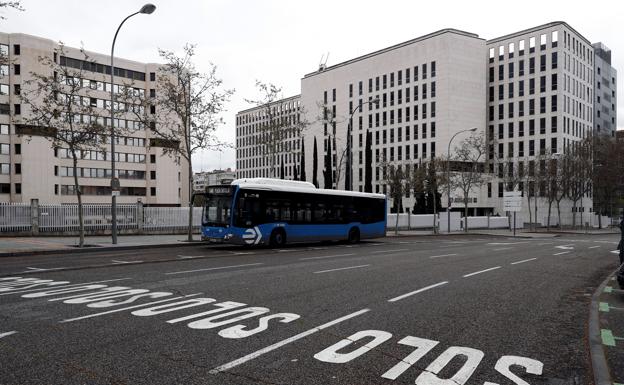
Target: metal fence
{"points": [[56, 218], [15, 217], [170, 218]]}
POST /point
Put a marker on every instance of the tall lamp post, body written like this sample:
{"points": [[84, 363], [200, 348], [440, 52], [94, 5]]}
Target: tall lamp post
{"points": [[349, 178], [448, 177], [146, 9]]}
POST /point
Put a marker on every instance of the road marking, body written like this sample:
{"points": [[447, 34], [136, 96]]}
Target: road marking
{"points": [[615, 251], [563, 252], [342, 268], [63, 286], [388, 251], [327, 256], [283, 250], [125, 308], [189, 256], [417, 291], [565, 247], [481, 271], [594, 247], [607, 337], [287, 341], [545, 243], [213, 268], [524, 260], [503, 248], [242, 252], [117, 262], [7, 333], [443, 255], [34, 269]]}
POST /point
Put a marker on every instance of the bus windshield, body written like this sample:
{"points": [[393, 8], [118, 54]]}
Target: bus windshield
{"points": [[217, 210]]}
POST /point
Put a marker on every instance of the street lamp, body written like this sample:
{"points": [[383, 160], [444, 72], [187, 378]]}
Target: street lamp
{"points": [[448, 177], [146, 9], [349, 177]]}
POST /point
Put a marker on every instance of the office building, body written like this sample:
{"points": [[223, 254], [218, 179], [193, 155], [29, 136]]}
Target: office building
{"points": [[529, 93], [605, 92], [201, 180], [29, 166]]}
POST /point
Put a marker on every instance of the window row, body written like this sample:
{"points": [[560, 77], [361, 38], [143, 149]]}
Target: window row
{"points": [[530, 108], [91, 66], [512, 129], [101, 155], [511, 47], [522, 68], [86, 172], [100, 190], [519, 150], [521, 89]]}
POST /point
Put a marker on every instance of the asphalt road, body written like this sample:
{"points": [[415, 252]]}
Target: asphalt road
{"points": [[426, 310]]}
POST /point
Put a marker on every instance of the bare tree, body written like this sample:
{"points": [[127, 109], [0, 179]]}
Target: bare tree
{"points": [[278, 125], [60, 109], [189, 104], [607, 175], [396, 182], [580, 175], [415, 183], [470, 172]]}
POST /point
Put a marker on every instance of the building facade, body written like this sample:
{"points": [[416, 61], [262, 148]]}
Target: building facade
{"points": [[201, 180], [31, 169], [529, 93], [605, 91]]}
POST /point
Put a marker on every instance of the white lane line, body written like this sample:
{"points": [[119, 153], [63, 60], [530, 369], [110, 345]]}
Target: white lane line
{"points": [[388, 251], [443, 255], [118, 262], [62, 286], [417, 291], [287, 341], [125, 308], [342, 268], [34, 269], [242, 252], [481, 271], [327, 256], [189, 256], [524, 260], [213, 268], [563, 252], [283, 250], [545, 243], [7, 333], [503, 248], [594, 247]]}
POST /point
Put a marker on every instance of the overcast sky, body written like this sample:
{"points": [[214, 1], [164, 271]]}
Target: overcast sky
{"points": [[280, 41]]}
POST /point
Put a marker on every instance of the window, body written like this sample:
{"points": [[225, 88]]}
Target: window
{"points": [[542, 62], [511, 50], [553, 82], [553, 145], [521, 47], [553, 103], [542, 105], [152, 175], [542, 83], [16, 49], [18, 188], [152, 158], [17, 69], [531, 65], [501, 52], [553, 60], [510, 88], [5, 109], [542, 125], [521, 68], [18, 168], [491, 94], [4, 129], [543, 41], [531, 86], [4, 149], [554, 38], [521, 88], [532, 44], [17, 89], [501, 92], [521, 128], [511, 70], [424, 71], [491, 55], [153, 191], [433, 89], [520, 151], [501, 72], [491, 75], [4, 89], [152, 79], [553, 124], [5, 188], [433, 69]]}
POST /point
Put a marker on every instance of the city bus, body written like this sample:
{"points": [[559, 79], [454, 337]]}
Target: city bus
{"points": [[262, 211]]}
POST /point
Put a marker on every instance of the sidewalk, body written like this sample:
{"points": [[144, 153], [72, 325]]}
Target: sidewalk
{"points": [[493, 232], [607, 330], [19, 245]]}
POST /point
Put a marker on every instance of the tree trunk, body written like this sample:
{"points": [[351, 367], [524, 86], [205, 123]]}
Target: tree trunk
{"points": [[79, 195], [559, 214], [599, 220], [574, 215], [528, 192], [435, 210], [535, 206], [396, 225], [549, 211], [466, 213], [190, 222]]}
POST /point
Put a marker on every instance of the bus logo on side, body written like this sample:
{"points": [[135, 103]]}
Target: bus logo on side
{"points": [[252, 236]]}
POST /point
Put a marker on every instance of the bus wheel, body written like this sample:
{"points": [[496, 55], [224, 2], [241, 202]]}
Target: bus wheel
{"points": [[354, 235], [278, 238]]}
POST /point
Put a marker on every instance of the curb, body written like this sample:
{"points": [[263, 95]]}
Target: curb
{"points": [[600, 368], [474, 233], [73, 250]]}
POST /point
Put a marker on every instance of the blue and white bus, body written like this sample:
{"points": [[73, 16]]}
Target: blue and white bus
{"points": [[261, 211]]}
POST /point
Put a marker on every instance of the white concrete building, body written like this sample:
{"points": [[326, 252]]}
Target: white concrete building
{"points": [[529, 92], [201, 180], [31, 168]]}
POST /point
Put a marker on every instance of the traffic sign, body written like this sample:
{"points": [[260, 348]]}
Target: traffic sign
{"points": [[512, 200], [115, 185]]}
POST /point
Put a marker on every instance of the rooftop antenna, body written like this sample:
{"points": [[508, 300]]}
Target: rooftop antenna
{"points": [[323, 64]]}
